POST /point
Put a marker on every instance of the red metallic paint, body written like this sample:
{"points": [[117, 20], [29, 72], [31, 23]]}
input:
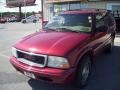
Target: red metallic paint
{"points": [[71, 45], [52, 43], [56, 75]]}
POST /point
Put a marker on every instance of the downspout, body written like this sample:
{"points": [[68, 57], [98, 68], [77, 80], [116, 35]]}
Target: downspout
{"points": [[42, 2]]}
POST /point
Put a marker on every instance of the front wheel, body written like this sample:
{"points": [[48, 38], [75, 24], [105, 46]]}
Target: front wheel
{"points": [[83, 72]]}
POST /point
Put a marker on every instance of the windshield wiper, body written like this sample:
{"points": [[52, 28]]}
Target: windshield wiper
{"points": [[47, 29], [65, 29], [60, 29], [56, 29]]}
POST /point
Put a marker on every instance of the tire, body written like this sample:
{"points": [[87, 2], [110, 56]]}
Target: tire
{"points": [[83, 72], [24, 21], [34, 21]]}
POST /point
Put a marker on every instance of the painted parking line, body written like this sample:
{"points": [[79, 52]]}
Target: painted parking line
{"points": [[5, 56], [5, 51]]}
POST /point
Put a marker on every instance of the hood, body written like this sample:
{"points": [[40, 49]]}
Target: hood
{"points": [[51, 43]]}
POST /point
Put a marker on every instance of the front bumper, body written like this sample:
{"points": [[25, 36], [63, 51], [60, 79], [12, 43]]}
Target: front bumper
{"points": [[52, 75]]}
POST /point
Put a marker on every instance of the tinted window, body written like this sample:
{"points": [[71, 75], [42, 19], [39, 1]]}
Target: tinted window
{"points": [[99, 21]]}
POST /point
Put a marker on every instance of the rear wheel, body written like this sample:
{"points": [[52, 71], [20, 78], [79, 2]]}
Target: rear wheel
{"points": [[34, 21], [24, 21], [83, 71]]}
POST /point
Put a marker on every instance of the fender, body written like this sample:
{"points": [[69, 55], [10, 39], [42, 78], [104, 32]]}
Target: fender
{"points": [[77, 57], [85, 51]]}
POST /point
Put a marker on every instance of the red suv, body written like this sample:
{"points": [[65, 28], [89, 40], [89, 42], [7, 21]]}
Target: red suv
{"points": [[64, 50]]}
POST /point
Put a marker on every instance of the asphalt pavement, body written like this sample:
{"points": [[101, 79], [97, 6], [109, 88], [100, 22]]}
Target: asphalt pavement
{"points": [[105, 71]]}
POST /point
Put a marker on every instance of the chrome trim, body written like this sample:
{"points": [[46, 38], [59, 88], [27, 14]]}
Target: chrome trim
{"points": [[29, 62]]}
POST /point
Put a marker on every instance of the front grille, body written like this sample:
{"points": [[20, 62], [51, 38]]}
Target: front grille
{"points": [[32, 59]]}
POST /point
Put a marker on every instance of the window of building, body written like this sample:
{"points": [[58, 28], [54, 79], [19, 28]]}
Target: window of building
{"points": [[74, 6], [66, 6]]}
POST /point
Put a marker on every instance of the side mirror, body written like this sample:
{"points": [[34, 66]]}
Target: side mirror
{"points": [[102, 29]]}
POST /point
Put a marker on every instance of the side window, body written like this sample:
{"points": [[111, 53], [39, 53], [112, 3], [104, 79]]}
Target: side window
{"points": [[99, 21]]}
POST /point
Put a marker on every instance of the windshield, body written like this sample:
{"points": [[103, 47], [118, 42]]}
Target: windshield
{"points": [[71, 22]]}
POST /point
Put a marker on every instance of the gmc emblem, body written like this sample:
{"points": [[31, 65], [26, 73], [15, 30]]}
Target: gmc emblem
{"points": [[28, 57]]}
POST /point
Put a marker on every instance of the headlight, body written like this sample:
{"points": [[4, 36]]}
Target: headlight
{"points": [[14, 52], [58, 62]]}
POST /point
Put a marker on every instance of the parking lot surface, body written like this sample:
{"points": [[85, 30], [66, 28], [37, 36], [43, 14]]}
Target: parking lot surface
{"points": [[105, 73]]}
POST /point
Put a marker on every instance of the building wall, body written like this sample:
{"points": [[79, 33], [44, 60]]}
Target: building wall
{"points": [[101, 5], [49, 10]]}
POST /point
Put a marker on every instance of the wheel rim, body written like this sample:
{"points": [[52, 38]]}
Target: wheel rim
{"points": [[85, 72]]}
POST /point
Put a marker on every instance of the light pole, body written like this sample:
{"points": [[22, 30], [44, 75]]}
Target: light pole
{"points": [[42, 7], [25, 7], [1, 9]]}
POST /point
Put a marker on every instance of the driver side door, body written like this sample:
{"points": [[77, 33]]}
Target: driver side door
{"points": [[100, 36]]}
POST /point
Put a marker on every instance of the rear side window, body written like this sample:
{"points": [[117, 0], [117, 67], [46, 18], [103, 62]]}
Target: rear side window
{"points": [[99, 21]]}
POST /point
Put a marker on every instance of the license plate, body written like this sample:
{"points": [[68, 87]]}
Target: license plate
{"points": [[29, 75]]}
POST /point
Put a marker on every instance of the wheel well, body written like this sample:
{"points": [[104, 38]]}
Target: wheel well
{"points": [[34, 20], [89, 53], [24, 20]]}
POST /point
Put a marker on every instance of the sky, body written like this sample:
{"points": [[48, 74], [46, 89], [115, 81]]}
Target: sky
{"points": [[27, 9]]}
